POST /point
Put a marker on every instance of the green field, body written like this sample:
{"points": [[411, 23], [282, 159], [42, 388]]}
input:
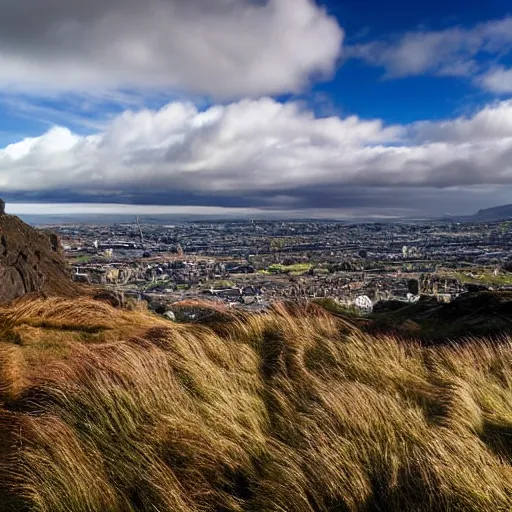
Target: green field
{"points": [[484, 276], [83, 259], [297, 269]]}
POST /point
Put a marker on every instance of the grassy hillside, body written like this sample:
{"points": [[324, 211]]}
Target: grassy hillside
{"points": [[295, 410], [483, 314]]}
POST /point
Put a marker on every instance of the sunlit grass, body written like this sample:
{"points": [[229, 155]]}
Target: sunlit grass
{"points": [[293, 410], [297, 269], [484, 276]]}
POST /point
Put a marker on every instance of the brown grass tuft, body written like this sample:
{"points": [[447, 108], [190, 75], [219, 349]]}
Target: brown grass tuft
{"points": [[110, 410]]}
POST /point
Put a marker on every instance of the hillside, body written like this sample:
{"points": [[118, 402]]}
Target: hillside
{"points": [[483, 314], [103, 409], [497, 213], [30, 261]]}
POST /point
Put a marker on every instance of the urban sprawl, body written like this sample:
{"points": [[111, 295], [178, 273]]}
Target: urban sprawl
{"points": [[250, 264]]}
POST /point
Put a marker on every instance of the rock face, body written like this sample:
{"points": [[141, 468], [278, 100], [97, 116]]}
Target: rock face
{"points": [[30, 261]]}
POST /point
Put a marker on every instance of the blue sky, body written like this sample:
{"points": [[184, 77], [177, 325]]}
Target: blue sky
{"points": [[364, 90], [397, 108]]}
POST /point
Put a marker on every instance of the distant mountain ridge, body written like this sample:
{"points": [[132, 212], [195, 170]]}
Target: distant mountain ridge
{"points": [[503, 212]]}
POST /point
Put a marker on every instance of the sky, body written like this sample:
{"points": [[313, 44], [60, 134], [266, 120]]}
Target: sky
{"points": [[332, 108]]}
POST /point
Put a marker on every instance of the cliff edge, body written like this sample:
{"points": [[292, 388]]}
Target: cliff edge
{"points": [[30, 261]]}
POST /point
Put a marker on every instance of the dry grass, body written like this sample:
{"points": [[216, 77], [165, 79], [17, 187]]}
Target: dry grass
{"points": [[294, 410]]}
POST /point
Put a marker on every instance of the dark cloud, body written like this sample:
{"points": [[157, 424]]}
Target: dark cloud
{"points": [[350, 201]]}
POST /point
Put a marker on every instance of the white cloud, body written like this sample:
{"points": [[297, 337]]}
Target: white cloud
{"points": [[262, 149], [447, 52], [497, 80], [491, 123], [222, 48]]}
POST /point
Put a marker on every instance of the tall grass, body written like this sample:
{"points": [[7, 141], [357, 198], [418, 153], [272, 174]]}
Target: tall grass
{"points": [[292, 410]]}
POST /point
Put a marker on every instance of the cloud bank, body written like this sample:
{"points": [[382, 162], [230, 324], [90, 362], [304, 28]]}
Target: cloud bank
{"points": [[222, 48], [268, 153]]}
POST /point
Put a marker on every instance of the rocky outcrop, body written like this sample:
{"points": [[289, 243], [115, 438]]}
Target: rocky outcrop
{"points": [[30, 261]]}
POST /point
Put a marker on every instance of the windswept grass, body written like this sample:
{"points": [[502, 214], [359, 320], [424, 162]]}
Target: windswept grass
{"points": [[293, 410]]}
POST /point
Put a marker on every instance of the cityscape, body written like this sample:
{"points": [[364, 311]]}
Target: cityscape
{"points": [[251, 264]]}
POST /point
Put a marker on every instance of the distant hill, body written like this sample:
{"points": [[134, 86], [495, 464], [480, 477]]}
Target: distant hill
{"points": [[497, 213]]}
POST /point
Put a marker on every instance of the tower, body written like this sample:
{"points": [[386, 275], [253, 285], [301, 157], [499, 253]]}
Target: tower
{"points": [[140, 232]]}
